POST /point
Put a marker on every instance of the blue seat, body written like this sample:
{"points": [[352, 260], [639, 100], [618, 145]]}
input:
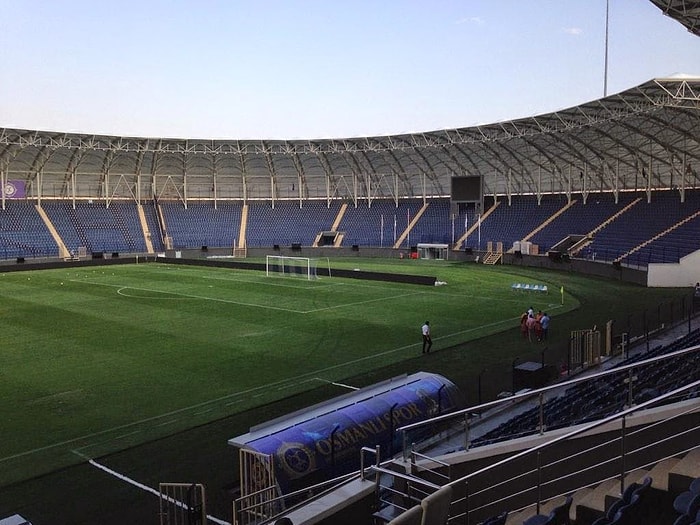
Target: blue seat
{"points": [[687, 503]]}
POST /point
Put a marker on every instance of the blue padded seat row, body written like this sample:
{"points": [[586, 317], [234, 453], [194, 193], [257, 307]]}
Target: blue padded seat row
{"points": [[688, 503]]}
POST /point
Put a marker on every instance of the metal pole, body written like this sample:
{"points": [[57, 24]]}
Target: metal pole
{"points": [[466, 502], [404, 438], [630, 379], [605, 73], [466, 432], [391, 429], [646, 328], [622, 455], [539, 480]]}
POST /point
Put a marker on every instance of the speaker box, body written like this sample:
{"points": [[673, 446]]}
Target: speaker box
{"points": [[355, 248], [276, 247], [20, 260], [296, 246], [98, 255], [205, 248], [115, 255]]}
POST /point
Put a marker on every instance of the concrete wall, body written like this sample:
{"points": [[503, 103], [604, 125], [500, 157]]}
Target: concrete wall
{"points": [[685, 273]]}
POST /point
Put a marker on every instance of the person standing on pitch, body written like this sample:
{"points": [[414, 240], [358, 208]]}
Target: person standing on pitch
{"points": [[427, 340]]}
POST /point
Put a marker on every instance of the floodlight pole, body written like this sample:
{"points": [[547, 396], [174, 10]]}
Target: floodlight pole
{"points": [[605, 75]]}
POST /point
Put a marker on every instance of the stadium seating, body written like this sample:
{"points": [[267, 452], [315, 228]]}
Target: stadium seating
{"points": [[606, 396], [648, 228], [23, 232]]}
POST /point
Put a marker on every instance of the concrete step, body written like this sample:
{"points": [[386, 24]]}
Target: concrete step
{"points": [[659, 473], [546, 507], [592, 507], [633, 477], [684, 472]]}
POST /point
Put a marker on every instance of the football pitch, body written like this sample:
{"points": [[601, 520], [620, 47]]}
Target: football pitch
{"points": [[100, 359]]}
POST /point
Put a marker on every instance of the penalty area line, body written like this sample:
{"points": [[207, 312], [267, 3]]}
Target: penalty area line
{"points": [[146, 488]]}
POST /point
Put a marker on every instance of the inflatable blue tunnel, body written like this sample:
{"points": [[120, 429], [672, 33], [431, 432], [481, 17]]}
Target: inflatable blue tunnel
{"points": [[324, 441]]}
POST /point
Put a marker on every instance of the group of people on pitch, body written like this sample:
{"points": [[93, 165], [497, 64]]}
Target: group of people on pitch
{"points": [[534, 326]]}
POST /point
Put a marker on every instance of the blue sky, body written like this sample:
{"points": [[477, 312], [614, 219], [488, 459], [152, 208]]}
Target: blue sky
{"points": [[293, 69]]}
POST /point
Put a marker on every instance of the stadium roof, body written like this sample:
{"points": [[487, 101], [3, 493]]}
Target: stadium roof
{"points": [[644, 138], [687, 12]]}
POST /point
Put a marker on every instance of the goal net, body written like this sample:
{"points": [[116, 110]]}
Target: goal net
{"points": [[285, 266]]}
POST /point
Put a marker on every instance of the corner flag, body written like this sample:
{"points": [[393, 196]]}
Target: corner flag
{"points": [[562, 295]]}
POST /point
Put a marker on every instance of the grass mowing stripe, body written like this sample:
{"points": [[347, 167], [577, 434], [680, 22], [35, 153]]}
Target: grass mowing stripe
{"points": [[155, 359], [258, 393]]}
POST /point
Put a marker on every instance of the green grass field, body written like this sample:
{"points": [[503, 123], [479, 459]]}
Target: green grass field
{"points": [[99, 359]]}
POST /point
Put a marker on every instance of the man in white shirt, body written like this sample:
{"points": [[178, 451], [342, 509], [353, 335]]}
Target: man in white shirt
{"points": [[427, 341]]}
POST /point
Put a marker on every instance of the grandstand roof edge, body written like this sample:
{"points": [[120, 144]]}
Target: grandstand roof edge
{"points": [[52, 134]]}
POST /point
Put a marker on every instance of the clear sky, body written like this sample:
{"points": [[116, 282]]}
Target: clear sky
{"points": [[291, 69]]}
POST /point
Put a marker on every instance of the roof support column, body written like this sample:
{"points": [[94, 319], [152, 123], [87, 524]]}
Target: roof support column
{"points": [[396, 190], [214, 181], [106, 187], [72, 186], [509, 189], [354, 188], [300, 181], [368, 188], [649, 173], [3, 182], [184, 181]]}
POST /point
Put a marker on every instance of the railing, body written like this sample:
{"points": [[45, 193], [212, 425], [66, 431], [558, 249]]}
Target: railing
{"points": [[525, 476], [526, 481], [434, 471], [467, 414], [248, 510]]}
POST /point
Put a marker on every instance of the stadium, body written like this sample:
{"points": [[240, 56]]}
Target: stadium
{"points": [[227, 331]]}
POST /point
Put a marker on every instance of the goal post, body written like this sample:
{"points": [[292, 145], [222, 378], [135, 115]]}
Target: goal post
{"points": [[286, 266]]}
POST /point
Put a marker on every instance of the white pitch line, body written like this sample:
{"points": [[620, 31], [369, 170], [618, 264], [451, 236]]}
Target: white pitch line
{"points": [[121, 287], [166, 423], [189, 296], [390, 298], [336, 384], [148, 489]]}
